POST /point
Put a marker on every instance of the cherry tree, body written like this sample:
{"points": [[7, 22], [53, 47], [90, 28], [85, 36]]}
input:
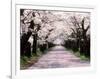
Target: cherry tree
{"points": [[42, 28], [30, 25], [81, 31]]}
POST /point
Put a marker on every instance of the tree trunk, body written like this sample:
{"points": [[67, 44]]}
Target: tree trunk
{"points": [[28, 50], [47, 46], [35, 43], [24, 40]]}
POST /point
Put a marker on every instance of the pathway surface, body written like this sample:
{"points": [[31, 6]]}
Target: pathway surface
{"points": [[59, 57]]}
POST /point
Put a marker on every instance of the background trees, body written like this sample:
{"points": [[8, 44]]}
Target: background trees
{"points": [[81, 34], [42, 29]]}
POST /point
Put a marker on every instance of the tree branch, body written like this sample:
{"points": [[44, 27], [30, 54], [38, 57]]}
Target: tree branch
{"points": [[82, 23], [87, 28]]}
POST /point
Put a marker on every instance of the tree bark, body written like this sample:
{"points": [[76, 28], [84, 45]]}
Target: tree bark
{"points": [[24, 40], [35, 44]]}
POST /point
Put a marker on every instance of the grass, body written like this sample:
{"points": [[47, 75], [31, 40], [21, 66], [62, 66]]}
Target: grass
{"points": [[78, 54], [82, 57], [26, 62]]}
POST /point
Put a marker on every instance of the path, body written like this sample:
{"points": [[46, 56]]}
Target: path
{"points": [[59, 57]]}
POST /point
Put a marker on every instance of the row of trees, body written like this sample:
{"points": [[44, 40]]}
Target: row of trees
{"points": [[79, 40], [45, 27], [34, 24]]}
